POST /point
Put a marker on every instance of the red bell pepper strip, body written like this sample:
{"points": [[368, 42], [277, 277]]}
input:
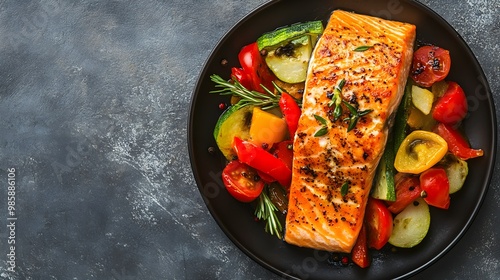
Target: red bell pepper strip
{"points": [[291, 111], [242, 77], [359, 253], [284, 151], [266, 178], [263, 161], [255, 66], [456, 142], [407, 190], [451, 108]]}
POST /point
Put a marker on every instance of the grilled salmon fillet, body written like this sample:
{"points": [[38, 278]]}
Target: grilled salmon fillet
{"points": [[332, 174]]}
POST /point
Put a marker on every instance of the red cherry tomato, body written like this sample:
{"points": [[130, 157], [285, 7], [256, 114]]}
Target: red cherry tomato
{"points": [[430, 64], [434, 182], [457, 144], [407, 190], [378, 220], [263, 161], [291, 111], [451, 108], [242, 181], [255, 66], [359, 253]]}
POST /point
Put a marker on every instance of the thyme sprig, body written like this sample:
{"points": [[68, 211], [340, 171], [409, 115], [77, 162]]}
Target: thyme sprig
{"points": [[247, 97], [355, 115], [324, 129], [266, 211], [337, 100]]}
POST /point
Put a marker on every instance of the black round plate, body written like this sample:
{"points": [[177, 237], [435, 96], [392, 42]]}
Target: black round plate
{"points": [[236, 219]]}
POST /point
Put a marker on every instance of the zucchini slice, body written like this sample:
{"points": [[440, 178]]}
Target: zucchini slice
{"points": [[289, 63], [456, 169], [288, 49], [235, 121], [411, 225]]}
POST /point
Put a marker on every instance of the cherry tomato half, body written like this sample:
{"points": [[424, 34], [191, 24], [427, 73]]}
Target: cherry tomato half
{"points": [[430, 64], [434, 182], [378, 220], [452, 106], [242, 181]]}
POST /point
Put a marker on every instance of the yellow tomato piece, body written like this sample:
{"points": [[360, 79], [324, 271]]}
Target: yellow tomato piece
{"points": [[439, 88], [267, 128], [422, 99], [418, 120], [419, 151]]}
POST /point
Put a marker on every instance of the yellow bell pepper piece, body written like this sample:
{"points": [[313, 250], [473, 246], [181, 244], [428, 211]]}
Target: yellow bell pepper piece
{"points": [[267, 128]]}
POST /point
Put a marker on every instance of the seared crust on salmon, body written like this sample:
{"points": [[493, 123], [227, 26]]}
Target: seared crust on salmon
{"points": [[320, 214]]}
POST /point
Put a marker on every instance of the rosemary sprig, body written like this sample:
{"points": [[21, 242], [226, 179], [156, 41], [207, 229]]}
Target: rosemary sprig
{"points": [[266, 211], [247, 97]]}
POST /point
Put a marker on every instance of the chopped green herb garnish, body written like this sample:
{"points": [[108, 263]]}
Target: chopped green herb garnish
{"points": [[320, 119], [355, 115], [340, 86], [362, 48], [322, 131], [344, 188]]}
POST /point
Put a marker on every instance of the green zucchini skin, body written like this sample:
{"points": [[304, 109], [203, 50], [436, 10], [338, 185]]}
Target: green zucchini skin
{"points": [[384, 187], [282, 36], [402, 115], [235, 121]]}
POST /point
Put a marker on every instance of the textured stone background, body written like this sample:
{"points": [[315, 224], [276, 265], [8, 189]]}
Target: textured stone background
{"points": [[94, 99]]}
